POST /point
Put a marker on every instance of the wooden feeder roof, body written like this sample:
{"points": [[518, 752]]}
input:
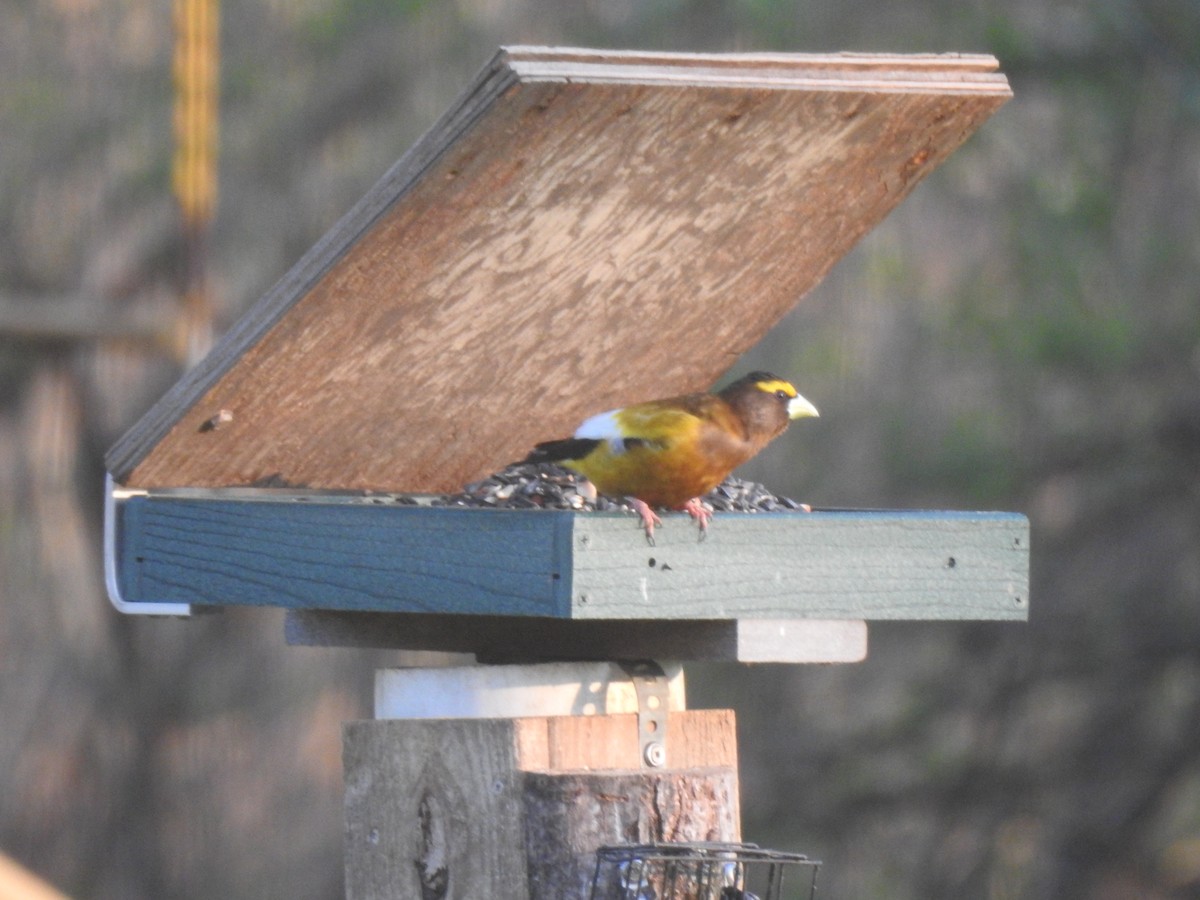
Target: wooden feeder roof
{"points": [[580, 230]]}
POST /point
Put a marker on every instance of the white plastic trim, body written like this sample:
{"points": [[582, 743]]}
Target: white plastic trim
{"points": [[110, 562]]}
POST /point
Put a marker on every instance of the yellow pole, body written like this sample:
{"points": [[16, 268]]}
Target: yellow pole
{"points": [[194, 167], [195, 70]]}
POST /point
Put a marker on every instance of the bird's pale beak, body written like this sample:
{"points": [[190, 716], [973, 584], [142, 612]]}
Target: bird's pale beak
{"points": [[798, 408]]}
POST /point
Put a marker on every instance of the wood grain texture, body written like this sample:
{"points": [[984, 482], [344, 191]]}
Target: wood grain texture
{"points": [[467, 808], [574, 210], [695, 737], [583, 566], [433, 808], [828, 565], [339, 556], [568, 817]]}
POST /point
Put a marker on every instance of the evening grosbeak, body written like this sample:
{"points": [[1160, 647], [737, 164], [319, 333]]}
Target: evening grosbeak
{"points": [[671, 452]]}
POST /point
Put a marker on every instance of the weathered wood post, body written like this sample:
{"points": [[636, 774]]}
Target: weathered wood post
{"points": [[573, 210], [539, 764]]}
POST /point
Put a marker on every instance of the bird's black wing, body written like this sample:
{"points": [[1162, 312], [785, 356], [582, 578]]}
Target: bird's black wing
{"points": [[562, 450]]}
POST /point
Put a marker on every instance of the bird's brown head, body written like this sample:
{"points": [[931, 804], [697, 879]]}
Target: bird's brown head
{"points": [[766, 403]]}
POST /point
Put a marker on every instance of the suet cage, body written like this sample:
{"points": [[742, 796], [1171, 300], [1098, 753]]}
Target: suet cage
{"points": [[702, 871]]}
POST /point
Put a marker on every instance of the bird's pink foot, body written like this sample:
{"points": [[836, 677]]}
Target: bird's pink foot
{"points": [[649, 517], [701, 513]]}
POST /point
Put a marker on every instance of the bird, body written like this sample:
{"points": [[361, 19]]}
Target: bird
{"points": [[671, 452]]}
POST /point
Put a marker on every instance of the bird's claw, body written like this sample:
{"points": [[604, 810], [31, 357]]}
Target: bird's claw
{"points": [[694, 508], [701, 513], [649, 518]]}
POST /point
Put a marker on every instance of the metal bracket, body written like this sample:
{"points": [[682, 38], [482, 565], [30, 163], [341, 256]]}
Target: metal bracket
{"points": [[653, 696]]}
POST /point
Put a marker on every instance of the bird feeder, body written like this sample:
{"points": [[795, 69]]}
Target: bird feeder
{"points": [[549, 246]]}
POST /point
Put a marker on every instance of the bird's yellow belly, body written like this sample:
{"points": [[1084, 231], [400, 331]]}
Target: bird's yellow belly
{"points": [[660, 477]]}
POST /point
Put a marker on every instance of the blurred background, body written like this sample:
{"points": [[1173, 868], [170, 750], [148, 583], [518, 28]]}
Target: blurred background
{"points": [[1023, 334]]}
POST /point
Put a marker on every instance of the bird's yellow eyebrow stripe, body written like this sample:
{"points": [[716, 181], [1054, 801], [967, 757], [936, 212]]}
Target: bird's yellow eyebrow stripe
{"points": [[770, 387]]}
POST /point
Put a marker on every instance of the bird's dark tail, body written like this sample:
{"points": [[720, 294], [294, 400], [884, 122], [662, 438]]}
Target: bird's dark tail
{"points": [[561, 451]]}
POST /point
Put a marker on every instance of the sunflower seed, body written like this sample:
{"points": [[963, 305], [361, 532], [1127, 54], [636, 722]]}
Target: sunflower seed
{"points": [[546, 486]]}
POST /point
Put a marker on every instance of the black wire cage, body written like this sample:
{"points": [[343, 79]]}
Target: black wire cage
{"points": [[702, 871]]}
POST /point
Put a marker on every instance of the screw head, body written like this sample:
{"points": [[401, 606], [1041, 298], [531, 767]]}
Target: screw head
{"points": [[655, 754]]}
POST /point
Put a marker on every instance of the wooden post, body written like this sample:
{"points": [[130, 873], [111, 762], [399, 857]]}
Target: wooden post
{"points": [[515, 807], [569, 815]]}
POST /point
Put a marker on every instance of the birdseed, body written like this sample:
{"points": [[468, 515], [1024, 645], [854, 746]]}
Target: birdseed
{"points": [[547, 486]]}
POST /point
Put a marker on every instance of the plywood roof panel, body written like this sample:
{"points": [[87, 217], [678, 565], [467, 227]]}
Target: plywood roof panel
{"points": [[583, 229]]}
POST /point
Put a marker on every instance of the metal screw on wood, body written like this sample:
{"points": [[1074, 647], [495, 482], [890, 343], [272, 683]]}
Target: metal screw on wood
{"points": [[655, 755]]}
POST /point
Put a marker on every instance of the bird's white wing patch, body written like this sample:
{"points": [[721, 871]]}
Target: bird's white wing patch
{"points": [[603, 427]]}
